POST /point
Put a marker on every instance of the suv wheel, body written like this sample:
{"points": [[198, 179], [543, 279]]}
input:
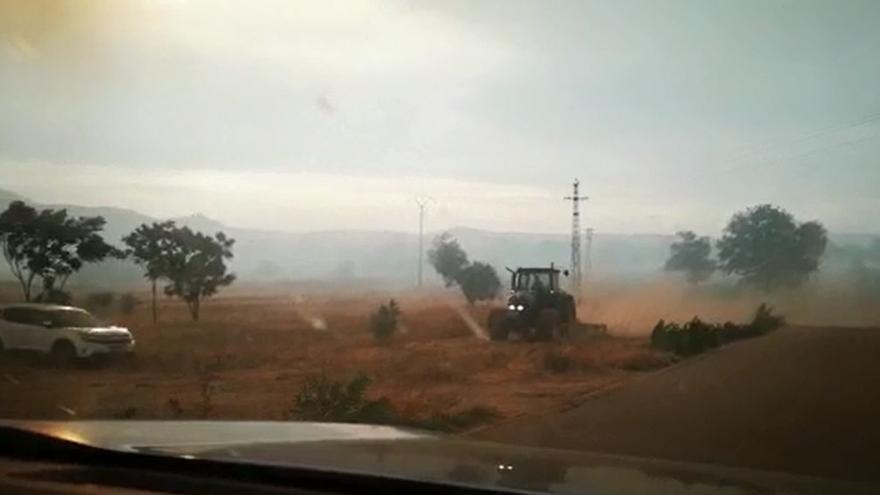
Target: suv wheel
{"points": [[63, 354]]}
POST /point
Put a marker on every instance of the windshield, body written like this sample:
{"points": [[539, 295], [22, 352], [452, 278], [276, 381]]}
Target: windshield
{"points": [[73, 318], [535, 281], [640, 227]]}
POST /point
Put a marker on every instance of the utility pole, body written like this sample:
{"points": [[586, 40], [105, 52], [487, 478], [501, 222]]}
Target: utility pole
{"points": [[422, 201], [575, 268]]}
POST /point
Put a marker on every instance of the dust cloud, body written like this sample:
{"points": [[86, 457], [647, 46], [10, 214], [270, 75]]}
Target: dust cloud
{"points": [[632, 308], [51, 28], [475, 328]]}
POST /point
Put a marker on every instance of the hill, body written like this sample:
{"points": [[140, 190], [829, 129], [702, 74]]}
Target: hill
{"points": [[267, 255]]}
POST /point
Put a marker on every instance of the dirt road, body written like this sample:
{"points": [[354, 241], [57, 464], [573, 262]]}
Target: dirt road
{"points": [[803, 400]]}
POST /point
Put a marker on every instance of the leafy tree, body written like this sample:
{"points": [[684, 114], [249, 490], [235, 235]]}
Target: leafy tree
{"points": [[448, 258], [49, 246], [768, 249], [152, 246], [479, 282], [196, 266], [691, 255]]}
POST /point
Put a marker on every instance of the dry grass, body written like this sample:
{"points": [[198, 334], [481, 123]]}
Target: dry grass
{"points": [[259, 349]]}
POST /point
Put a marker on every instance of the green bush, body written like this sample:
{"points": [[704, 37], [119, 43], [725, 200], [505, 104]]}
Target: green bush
{"points": [[765, 321], [697, 336], [321, 399], [556, 362], [384, 321]]}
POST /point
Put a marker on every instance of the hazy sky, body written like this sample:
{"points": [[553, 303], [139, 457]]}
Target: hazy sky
{"points": [[327, 115]]}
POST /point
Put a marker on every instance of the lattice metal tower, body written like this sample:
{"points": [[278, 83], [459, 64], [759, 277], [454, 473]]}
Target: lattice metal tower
{"points": [[422, 201], [575, 268]]}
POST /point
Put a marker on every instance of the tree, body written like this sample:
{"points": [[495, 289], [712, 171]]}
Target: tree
{"points": [[479, 282], [152, 246], [448, 258], [768, 249], [49, 246], [196, 266], [691, 255]]}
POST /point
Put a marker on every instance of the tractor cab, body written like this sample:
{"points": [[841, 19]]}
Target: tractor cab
{"points": [[537, 308], [534, 280]]}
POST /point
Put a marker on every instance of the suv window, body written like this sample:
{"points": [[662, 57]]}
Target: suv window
{"points": [[26, 316], [72, 318]]}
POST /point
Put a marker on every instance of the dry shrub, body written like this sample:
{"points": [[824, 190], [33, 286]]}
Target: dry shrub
{"points": [[697, 336]]}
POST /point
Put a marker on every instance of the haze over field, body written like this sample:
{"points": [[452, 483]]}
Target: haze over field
{"points": [[301, 116], [361, 212], [628, 267], [307, 130]]}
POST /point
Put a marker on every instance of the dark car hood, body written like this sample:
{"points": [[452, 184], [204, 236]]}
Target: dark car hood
{"points": [[409, 454]]}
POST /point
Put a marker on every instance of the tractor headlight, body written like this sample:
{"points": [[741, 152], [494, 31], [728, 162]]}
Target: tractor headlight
{"points": [[511, 307], [520, 307]]}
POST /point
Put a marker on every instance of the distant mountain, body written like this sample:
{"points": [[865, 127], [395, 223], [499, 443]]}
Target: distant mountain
{"points": [[120, 221], [262, 255], [200, 223]]}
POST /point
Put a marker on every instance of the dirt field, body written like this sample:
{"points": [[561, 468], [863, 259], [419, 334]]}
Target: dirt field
{"points": [[802, 399], [259, 347]]}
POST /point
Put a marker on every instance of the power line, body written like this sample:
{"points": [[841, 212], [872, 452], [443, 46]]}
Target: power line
{"points": [[782, 160], [821, 132]]}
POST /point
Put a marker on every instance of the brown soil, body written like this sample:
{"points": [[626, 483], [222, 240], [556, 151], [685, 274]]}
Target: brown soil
{"points": [[259, 347], [803, 400]]}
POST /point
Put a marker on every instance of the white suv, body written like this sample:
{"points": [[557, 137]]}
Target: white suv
{"points": [[63, 332]]}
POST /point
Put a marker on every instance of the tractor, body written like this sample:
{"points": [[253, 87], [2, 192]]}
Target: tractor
{"points": [[537, 309]]}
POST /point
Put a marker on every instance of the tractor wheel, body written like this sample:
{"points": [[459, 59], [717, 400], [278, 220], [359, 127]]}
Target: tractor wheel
{"points": [[498, 325], [63, 354], [571, 311], [568, 318], [546, 324]]}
